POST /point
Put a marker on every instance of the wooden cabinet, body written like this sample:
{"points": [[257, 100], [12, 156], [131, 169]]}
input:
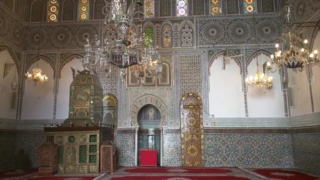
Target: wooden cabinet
{"points": [[108, 159], [48, 159]]}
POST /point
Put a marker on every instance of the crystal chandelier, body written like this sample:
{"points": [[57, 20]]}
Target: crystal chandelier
{"points": [[293, 57], [259, 80], [121, 51], [36, 76], [149, 66]]}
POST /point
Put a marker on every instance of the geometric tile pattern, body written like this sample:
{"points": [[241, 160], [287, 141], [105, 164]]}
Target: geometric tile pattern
{"points": [[29, 141], [248, 150], [306, 151], [171, 150], [126, 149], [7, 146], [190, 75]]}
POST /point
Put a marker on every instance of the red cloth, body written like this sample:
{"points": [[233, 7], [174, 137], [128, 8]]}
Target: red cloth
{"points": [[148, 157]]}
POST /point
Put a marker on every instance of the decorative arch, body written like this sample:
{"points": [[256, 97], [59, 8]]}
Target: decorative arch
{"points": [[13, 57], [220, 53], [38, 58], [143, 100], [255, 55], [67, 60]]}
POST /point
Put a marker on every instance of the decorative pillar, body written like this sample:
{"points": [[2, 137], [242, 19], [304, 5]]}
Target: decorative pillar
{"points": [[136, 147]]}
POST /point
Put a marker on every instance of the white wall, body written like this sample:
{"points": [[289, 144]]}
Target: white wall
{"points": [[5, 87], [316, 78], [64, 88], [298, 81], [226, 98], [38, 101], [265, 102]]}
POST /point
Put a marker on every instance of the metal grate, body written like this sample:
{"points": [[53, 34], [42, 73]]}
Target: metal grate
{"points": [[50, 138], [93, 148], [60, 154], [93, 138], [82, 154], [92, 158]]}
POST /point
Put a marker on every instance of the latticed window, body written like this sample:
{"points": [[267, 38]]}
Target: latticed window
{"points": [[50, 138], [52, 11], [166, 36], [215, 7], [182, 8], [67, 10], [148, 8], [60, 155], [37, 11], [93, 138], [99, 4], [82, 154], [267, 5], [249, 6], [165, 8], [232, 7], [198, 7], [83, 10]]}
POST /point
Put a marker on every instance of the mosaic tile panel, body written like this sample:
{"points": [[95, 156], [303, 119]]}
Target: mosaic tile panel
{"points": [[29, 141], [126, 149], [190, 74], [306, 148], [248, 150], [7, 143], [171, 150]]}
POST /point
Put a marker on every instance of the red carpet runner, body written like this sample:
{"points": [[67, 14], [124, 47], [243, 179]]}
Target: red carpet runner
{"points": [[284, 174], [178, 177], [177, 170], [63, 178]]}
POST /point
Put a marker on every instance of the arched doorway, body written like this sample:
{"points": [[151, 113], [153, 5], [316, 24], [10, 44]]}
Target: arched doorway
{"points": [[192, 149], [149, 134], [110, 111]]}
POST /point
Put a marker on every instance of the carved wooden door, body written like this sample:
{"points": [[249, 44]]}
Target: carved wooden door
{"points": [[191, 131]]}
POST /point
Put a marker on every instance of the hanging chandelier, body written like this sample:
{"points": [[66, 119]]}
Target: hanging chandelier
{"points": [[149, 66], [295, 56], [126, 49], [259, 80], [36, 76]]}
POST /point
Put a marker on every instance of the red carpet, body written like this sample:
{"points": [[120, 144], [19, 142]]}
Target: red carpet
{"points": [[179, 177], [62, 178], [284, 174], [177, 170], [18, 174]]}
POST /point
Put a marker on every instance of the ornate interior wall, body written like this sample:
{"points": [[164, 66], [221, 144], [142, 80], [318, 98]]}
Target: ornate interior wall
{"points": [[196, 40]]}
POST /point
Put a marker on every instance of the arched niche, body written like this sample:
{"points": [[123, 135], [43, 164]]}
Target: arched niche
{"points": [[144, 100]]}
